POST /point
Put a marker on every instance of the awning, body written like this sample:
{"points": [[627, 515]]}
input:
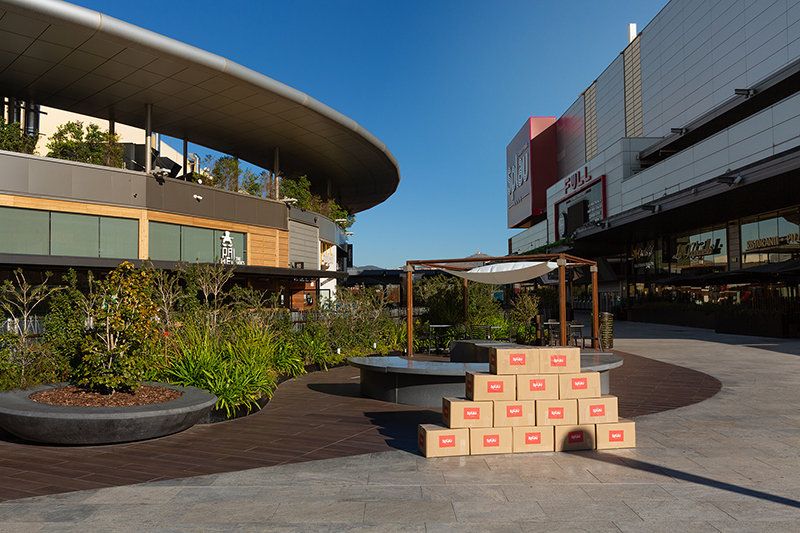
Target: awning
{"points": [[505, 273]]}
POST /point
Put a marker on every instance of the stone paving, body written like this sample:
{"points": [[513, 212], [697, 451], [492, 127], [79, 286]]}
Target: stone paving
{"points": [[727, 464]]}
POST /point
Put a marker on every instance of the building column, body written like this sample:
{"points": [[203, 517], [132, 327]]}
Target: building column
{"points": [[148, 138]]}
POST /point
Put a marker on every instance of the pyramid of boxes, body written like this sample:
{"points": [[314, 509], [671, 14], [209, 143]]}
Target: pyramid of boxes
{"points": [[531, 400]]}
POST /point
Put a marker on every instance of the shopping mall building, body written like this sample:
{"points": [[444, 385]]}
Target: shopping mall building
{"points": [[678, 168], [58, 59]]}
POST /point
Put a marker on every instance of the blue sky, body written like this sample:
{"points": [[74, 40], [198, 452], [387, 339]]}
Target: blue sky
{"points": [[445, 85]]}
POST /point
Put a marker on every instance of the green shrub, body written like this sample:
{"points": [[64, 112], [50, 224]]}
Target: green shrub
{"points": [[239, 368], [124, 330]]}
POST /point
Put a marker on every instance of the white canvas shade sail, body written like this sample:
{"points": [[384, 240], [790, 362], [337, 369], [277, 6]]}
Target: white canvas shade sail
{"points": [[505, 273]]}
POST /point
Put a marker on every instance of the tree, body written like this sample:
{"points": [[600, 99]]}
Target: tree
{"points": [[299, 188], [14, 139], [94, 146]]}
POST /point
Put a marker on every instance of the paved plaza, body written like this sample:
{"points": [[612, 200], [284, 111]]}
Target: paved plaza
{"points": [[727, 464]]}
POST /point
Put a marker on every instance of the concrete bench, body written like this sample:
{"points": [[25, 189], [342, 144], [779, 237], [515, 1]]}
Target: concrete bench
{"points": [[425, 383]]}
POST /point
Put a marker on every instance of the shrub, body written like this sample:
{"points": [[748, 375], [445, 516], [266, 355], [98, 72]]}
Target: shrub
{"points": [[123, 331]]}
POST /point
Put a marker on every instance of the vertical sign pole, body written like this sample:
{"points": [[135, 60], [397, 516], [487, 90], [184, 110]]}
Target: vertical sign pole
{"points": [[562, 297], [595, 310], [410, 309]]}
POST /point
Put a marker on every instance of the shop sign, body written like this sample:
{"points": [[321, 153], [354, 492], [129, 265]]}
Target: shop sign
{"points": [[227, 252], [697, 249], [577, 180], [517, 174], [769, 242], [643, 256]]}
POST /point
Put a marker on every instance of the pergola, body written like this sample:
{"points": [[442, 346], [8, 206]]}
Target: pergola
{"points": [[562, 261]]}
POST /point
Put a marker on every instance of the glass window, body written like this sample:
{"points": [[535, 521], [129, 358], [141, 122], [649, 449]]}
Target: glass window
{"points": [[75, 235], [119, 238], [165, 242], [198, 246], [24, 231]]}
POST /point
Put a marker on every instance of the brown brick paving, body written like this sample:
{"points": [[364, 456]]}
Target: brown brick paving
{"points": [[321, 415]]}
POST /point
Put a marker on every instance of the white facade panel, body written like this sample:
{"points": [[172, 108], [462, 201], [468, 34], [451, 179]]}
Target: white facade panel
{"points": [[610, 98]]}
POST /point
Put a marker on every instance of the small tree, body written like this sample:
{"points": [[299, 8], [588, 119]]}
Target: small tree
{"points": [[124, 328], [94, 146], [14, 139]]}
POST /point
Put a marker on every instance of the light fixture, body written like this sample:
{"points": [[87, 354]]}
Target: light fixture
{"points": [[730, 180], [653, 208], [197, 197], [289, 201], [340, 220], [679, 131], [747, 93]]}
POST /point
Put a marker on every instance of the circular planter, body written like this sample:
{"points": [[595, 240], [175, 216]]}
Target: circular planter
{"points": [[62, 424]]}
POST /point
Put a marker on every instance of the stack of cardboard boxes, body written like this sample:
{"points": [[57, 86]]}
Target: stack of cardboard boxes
{"points": [[531, 400]]}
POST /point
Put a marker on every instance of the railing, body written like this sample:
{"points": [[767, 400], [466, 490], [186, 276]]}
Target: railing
{"points": [[35, 326]]}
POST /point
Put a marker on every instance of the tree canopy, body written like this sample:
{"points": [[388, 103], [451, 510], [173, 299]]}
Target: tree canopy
{"points": [[92, 145]]}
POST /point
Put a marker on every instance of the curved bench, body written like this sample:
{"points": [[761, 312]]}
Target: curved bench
{"points": [[425, 383]]}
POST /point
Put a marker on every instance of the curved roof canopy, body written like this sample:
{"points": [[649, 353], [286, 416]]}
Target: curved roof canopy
{"points": [[67, 57]]}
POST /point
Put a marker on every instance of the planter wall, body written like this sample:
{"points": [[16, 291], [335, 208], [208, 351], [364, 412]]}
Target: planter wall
{"points": [[62, 424]]}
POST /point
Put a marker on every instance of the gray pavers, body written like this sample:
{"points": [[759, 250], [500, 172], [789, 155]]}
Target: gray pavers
{"points": [[728, 464]]}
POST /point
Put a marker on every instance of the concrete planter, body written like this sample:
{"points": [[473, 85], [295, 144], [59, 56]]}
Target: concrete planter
{"points": [[61, 424]]}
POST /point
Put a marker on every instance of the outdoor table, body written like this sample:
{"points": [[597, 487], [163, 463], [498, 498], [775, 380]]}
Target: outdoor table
{"points": [[437, 336]]}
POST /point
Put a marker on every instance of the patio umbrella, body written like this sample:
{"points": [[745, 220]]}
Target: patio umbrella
{"points": [[505, 273]]}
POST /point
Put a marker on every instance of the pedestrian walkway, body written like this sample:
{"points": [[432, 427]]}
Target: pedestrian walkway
{"points": [[729, 463]]}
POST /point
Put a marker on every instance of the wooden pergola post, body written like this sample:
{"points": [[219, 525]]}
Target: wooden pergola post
{"points": [[465, 298], [562, 297], [595, 310], [410, 309]]}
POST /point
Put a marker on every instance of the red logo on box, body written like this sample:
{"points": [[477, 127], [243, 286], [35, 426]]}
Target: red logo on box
{"points": [[469, 384], [555, 412], [558, 360], [421, 440], [518, 359], [575, 436], [597, 410], [491, 440], [513, 410], [493, 359], [494, 386], [579, 383], [446, 411], [616, 436], [533, 438], [447, 441], [472, 413], [538, 384]]}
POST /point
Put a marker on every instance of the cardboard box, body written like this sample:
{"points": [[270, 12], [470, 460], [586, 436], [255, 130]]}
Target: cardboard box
{"points": [[483, 441], [598, 410], [577, 437], [556, 412], [514, 413], [463, 413], [434, 440], [514, 361], [537, 387], [533, 439], [485, 386], [580, 385], [621, 434], [560, 360]]}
